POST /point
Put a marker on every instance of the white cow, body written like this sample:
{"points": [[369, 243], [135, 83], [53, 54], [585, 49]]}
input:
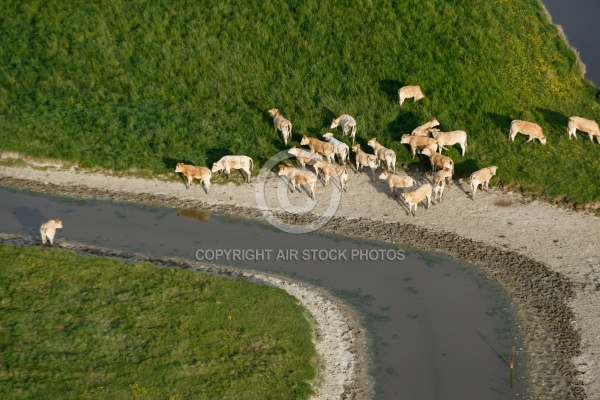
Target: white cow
{"points": [[584, 125], [48, 230], [228, 163], [340, 148], [409, 92], [347, 123]]}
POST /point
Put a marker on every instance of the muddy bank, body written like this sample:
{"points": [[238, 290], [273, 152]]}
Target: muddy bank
{"points": [[541, 295]]}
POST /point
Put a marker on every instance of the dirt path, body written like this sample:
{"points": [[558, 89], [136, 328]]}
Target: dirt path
{"points": [[547, 258]]}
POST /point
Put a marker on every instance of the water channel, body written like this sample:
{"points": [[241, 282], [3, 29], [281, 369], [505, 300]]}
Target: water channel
{"points": [[439, 329], [579, 20]]}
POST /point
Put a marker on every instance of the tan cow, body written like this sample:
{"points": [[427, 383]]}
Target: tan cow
{"points": [[328, 170], [396, 181], [482, 177], [438, 161], [281, 124], [419, 143], [450, 139], [409, 92], [192, 172], [414, 197], [48, 230], [422, 130], [347, 123], [318, 146], [365, 159], [531, 129], [439, 183], [585, 125], [308, 178], [228, 163], [340, 148], [305, 157], [384, 154]]}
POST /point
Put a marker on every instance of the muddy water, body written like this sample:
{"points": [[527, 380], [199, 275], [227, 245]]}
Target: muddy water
{"points": [[439, 328], [579, 20]]}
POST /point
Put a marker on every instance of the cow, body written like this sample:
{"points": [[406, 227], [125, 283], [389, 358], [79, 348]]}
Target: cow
{"points": [[192, 172], [328, 170], [414, 197], [365, 159], [482, 177], [439, 183], [531, 129], [310, 179], [419, 143], [396, 181], [340, 148], [438, 161], [228, 163], [450, 139], [48, 230], [422, 130], [305, 157], [281, 124], [584, 125], [318, 146], [409, 92], [347, 123], [384, 154]]}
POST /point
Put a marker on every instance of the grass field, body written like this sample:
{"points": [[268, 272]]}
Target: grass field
{"points": [[74, 327], [144, 85]]}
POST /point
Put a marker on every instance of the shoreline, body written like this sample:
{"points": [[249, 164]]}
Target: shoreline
{"points": [[525, 251]]}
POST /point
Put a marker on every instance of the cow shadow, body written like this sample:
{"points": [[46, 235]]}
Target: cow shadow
{"points": [[404, 123], [327, 115], [170, 163], [262, 111], [390, 87], [502, 122], [214, 155], [553, 118], [30, 219]]}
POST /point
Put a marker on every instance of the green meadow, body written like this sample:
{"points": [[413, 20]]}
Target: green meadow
{"points": [[75, 327], [146, 84]]}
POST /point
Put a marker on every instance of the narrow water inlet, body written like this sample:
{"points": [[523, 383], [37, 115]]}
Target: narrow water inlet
{"points": [[439, 328]]}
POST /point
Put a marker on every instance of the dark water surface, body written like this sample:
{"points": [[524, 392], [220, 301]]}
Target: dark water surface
{"points": [[439, 328], [580, 20]]}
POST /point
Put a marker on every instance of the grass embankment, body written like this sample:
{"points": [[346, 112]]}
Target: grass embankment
{"points": [[74, 327], [137, 84]]}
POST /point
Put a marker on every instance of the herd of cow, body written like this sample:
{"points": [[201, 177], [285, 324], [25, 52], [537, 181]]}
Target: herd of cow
{"points": [[425, 140]]}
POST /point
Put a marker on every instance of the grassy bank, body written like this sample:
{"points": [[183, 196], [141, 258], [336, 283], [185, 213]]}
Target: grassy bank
{"points": [[132, 84], [76, 327]]}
